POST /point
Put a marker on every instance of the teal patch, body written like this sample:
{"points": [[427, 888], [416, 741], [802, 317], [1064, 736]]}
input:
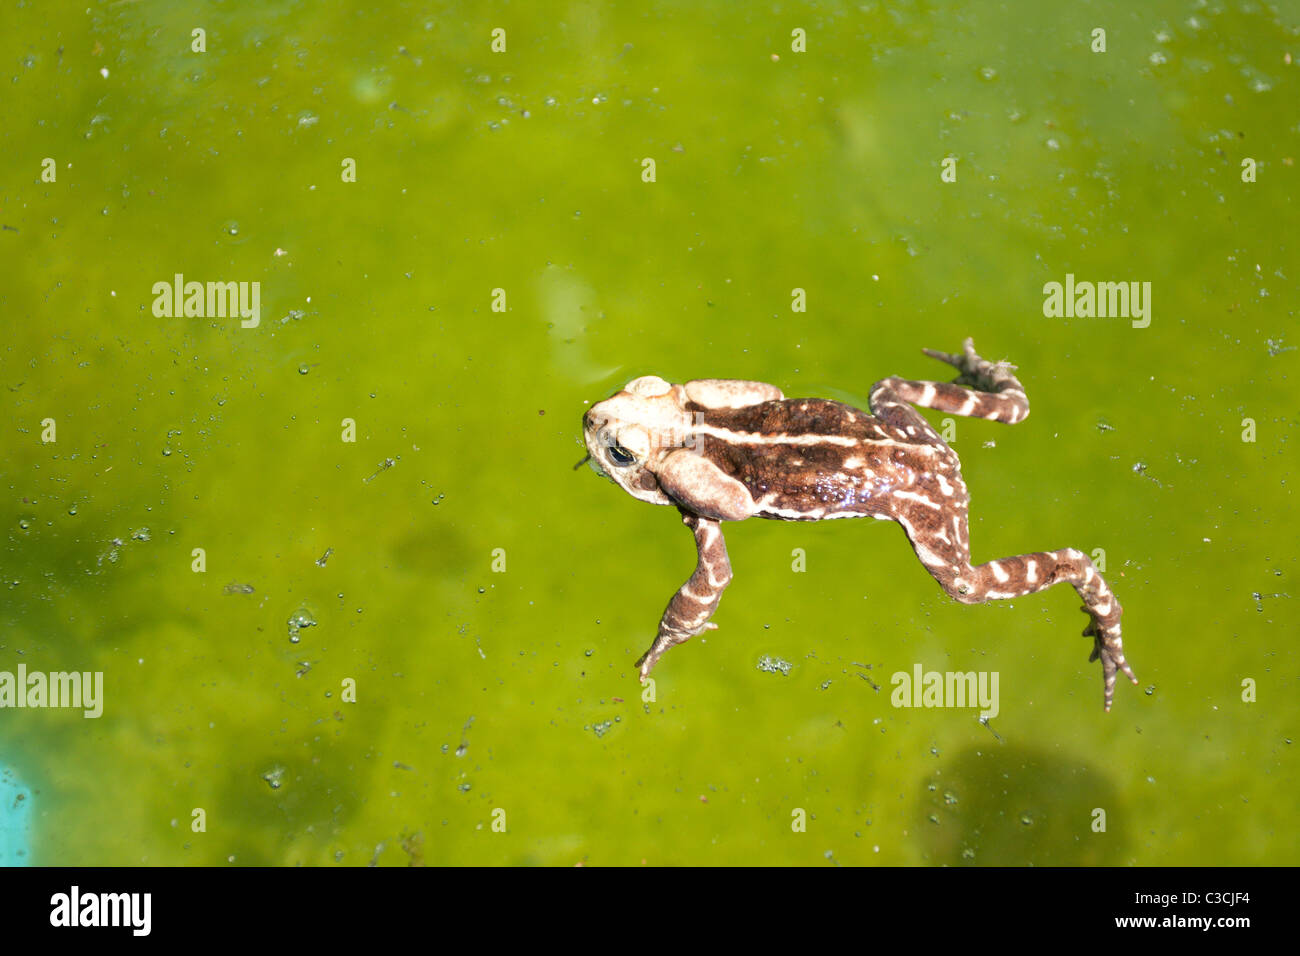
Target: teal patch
{"points": [[15, 820]]}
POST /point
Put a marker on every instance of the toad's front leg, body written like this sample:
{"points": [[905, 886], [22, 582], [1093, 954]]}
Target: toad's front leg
{"points": [[691, 607]]}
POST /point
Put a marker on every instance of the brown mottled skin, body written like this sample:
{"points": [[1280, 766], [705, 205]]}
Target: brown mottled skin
{"points": [[722, 450], [808, 480]]}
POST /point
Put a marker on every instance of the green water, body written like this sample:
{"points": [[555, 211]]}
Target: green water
{"points": [[513, 690]]}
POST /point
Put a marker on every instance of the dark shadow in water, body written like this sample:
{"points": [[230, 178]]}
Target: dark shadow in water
{"points": [[289, 810], [1008, 806]]}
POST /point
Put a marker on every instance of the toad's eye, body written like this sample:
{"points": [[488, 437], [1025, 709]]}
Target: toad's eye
{"points": [[620, 455]]}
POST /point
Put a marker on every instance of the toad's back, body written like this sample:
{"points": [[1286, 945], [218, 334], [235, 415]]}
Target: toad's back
{"points": [[807, 459]]}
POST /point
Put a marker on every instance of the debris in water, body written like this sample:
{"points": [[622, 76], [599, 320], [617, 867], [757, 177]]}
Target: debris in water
{"points": [[985, 722], [383, 466], [1259, 598], [773, 664], [464, 737]]}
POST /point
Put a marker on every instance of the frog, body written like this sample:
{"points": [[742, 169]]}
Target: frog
{"points": [[721, 450]]}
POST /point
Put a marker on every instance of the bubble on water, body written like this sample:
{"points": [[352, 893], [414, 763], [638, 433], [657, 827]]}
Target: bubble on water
{"points": [[166, 450], [72, 510], [772, 665], [988, 73], [24, 523], [1026, 819], [274, 777], [297, 621], [968, 853], [231, 228], [1151, 689], [1157, 58], [304, 368]]}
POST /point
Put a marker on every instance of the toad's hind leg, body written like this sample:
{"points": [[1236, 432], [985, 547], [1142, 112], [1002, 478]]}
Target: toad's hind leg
{"points": [[943, 549]]}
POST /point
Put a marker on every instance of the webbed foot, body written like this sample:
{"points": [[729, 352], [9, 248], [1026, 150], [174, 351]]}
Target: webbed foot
{"points": [[1110, 649], [976, 372]]}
